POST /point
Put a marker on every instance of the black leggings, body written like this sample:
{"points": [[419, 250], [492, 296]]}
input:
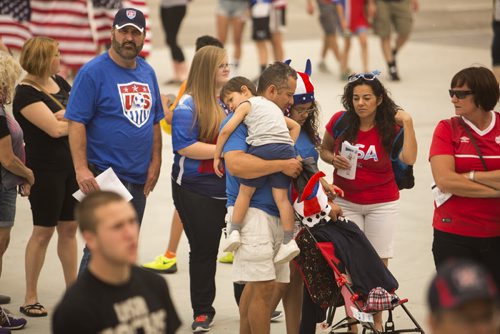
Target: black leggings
{"points": [[485, 251], [203, 220], [495, 47], [171, 19]]}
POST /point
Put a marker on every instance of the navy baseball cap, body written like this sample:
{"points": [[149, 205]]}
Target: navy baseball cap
{"points": [[129, 17], [459, 282]]}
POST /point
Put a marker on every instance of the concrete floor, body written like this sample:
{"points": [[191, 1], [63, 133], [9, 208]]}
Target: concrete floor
{"points": [[441, 45]]}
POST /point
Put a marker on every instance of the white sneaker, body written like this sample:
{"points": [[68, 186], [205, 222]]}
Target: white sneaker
{"points": [[233, 241], [287, 252]]}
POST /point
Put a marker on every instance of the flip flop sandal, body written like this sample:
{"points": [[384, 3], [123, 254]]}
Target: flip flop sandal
{"points": [[27, 310]]}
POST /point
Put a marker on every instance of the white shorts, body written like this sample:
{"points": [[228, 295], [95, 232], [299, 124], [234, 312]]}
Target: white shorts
{"points": [[261, 236], [377, 221]]}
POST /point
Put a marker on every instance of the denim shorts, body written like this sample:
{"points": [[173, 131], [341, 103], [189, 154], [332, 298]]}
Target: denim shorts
{"points": [[7, 206], [233, 8]]}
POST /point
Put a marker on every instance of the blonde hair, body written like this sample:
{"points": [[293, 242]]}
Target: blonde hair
{"points": [[10, 71], [201, 85], [37, 54]]}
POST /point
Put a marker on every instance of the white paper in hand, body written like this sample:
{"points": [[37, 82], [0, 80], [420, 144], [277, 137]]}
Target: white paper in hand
{"points": [[108, 180], [350, 152]]}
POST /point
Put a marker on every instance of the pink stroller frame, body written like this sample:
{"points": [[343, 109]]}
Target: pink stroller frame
{"points": [[342, 291], [343, 248]]}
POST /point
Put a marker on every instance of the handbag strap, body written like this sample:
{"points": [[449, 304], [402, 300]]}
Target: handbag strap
{"points": [[36, 85], [469, 134]]}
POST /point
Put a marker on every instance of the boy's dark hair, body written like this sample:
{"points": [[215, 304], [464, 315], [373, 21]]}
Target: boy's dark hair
{"points": [[207, 40], [275, 74], [235, 84]]}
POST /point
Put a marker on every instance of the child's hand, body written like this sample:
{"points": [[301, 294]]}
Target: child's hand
{"points": [[218, 168]]}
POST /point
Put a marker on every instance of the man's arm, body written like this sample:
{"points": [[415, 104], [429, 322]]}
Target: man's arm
{"points": [[78, 145], [247, 166], [155, 165]]}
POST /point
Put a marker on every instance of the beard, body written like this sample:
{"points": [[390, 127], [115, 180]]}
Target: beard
{"points": [[124, 52]]}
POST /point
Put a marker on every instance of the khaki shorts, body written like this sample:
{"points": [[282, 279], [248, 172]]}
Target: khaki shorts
{"points": [[261, 236], [396, 13]]}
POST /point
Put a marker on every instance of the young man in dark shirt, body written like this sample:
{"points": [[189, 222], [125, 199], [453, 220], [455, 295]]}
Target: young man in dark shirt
{"points": [[114, 295]]}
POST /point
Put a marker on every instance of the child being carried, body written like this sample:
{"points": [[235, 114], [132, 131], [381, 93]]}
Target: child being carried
{"points": [[271, 136]]}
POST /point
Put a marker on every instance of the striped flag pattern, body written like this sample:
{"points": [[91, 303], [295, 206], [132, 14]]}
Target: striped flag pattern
{"points": [[104, 13], [14, 17], [67, 22]]}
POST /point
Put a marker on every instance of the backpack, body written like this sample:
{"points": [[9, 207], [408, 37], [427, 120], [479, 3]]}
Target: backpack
{"points": [[403, 173]]}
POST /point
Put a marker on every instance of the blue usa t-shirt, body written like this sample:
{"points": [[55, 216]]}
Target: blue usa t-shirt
{"points": [[194, 175], [304, 146], [119, 107], [263, 197]]}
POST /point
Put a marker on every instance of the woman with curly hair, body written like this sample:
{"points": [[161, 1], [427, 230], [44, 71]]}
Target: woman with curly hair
{"points": [[371, 198]]}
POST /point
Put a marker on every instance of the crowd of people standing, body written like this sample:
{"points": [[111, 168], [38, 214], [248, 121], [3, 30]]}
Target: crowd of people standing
{"points": [[69, 141]]}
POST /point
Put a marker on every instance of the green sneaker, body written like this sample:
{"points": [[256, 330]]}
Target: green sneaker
{"points": [[227, 257], [162, 265]]}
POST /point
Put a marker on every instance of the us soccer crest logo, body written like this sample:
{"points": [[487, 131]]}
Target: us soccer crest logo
{"points": [[136, 102]]}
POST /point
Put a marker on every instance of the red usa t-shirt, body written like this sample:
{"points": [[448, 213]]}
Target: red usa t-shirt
{"points": [[374, 181], [467, 216]]}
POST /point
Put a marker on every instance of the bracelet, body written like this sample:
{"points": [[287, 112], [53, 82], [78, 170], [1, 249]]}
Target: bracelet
{"points": [[472, 175]]}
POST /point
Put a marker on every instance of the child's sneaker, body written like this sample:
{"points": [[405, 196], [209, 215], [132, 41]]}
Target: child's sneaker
{"points": [[227, 257], [287, 252], [233, 241]]}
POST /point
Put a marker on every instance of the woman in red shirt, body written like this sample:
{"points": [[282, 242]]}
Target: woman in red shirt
{"points": [[465, 162], [371, 198]]}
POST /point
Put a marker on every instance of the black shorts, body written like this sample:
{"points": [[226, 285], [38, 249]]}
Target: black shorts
{"points": [[51, 197], [260, 29]]}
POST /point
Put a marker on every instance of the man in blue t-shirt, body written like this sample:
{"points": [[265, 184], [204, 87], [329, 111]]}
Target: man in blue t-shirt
{"points": [[114, 112], [261, 233]]}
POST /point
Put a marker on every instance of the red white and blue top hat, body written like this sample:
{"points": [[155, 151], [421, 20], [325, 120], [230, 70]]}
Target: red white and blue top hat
{"points": [[312, 206]]}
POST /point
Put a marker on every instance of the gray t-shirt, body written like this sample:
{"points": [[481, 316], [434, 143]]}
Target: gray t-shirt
{"points": [[266, 123]]}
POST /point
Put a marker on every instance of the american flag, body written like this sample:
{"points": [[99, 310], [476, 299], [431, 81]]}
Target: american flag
{"points": [[14, 17], [67, 22], [104, 13]]}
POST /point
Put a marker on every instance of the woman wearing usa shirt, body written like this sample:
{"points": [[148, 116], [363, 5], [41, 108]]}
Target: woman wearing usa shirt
{"points": [[371, 199], [467, 193], [199, 194]]}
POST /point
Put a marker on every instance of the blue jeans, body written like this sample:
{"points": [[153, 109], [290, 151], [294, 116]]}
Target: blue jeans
{"points": [[138, 202], [7, 206]]}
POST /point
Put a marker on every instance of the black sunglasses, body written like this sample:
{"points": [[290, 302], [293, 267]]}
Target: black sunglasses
{"points": [[460, 94]]}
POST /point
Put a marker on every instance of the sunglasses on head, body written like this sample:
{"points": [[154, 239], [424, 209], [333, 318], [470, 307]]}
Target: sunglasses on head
{"points": [[460, 94], [367, 76]]}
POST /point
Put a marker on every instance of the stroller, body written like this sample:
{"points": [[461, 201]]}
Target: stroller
{"points": [[339, 266]]}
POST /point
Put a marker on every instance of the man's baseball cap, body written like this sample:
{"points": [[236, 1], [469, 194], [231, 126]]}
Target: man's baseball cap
{"points": [[129, 17], [459, 282]]}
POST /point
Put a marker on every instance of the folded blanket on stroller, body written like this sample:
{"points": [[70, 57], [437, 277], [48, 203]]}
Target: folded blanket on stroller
{"points": [[356, 255]]}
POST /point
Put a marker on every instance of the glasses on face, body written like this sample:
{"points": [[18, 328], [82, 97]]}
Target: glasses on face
{"points": [[304, 111], [224, 66], [460, 94], [367, 76]]}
